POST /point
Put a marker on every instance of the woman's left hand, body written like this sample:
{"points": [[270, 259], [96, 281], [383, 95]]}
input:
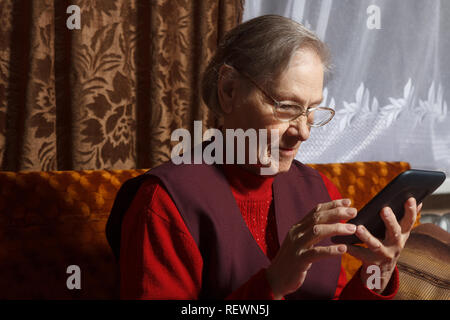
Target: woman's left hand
{"points": [[385, 253]]}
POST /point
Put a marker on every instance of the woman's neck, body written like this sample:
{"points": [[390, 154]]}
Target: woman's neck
{"points": [[246, 183]]}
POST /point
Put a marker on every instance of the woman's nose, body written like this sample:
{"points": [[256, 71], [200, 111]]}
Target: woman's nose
{"points": [[299, 128]]}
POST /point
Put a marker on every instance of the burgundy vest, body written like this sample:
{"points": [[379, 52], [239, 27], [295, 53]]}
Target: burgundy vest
{"points": [[230, 254]]}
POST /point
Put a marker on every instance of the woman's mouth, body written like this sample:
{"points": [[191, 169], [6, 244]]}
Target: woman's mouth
{"points": [[287, 151]]}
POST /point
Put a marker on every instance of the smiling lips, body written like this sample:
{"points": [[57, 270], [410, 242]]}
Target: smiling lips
{"points": [[287, 151]]}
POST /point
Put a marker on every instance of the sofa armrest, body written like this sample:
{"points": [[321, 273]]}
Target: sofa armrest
{"points": [[424, 265]]}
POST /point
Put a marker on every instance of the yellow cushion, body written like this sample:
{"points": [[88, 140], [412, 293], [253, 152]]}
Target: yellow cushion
{"points": [[50, 220]]}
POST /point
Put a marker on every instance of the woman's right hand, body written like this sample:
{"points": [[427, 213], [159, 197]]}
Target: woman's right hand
{"points": [[289, 268]]}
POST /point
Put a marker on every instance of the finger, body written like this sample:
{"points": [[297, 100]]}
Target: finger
{"points": [[332, 204], [366, 237], [322, 231], [410, 216], [361, 253], [419, 207], [320, 215], [296, 231], [318, 253], [393, 229], [334, 215]]}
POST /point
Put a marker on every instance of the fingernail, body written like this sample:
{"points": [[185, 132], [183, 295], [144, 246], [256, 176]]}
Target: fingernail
{"points": [[341, 249], [346, 202], [351, 227]]}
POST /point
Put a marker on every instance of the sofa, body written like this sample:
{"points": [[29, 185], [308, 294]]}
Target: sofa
{"points": [[55, 219]]}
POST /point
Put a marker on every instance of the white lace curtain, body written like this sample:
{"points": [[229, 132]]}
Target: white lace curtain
{"points": [[390, 83]]}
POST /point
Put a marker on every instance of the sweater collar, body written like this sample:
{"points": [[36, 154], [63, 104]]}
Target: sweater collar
{"points": [[246, 184]]}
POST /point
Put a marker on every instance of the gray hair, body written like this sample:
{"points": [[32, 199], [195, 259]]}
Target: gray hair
{"points": [[262, 48]]}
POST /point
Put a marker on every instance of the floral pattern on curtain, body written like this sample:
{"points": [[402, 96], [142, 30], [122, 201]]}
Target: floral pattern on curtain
{"points": [[106, 96]]}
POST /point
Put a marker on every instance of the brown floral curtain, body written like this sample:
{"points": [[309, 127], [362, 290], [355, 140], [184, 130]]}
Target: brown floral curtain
{"points": [[106, 96]]}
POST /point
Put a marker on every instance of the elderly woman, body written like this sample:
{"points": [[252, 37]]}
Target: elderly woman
{"points": [[195, 231]]}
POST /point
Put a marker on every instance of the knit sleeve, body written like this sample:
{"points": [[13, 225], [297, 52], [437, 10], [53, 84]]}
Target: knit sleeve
{"points": [[331, 188], [159, 258]]}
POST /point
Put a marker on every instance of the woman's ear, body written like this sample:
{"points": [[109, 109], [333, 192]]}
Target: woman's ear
{"points": [[226, 88]]}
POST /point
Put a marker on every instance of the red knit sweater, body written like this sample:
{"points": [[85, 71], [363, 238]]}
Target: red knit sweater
{"points": [[159, 259]]}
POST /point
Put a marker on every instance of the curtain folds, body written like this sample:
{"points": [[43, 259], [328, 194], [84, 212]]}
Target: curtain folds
{"points": [[106, 96]]}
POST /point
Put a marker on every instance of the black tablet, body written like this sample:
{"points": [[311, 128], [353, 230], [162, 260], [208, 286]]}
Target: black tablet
{"points": [[412, 183]]}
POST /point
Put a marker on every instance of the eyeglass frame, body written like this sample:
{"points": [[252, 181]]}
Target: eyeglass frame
{"points": [[277, 104]]}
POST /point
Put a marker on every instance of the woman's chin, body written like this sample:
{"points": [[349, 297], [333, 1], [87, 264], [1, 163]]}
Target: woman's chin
{"points": [[284, 166]]}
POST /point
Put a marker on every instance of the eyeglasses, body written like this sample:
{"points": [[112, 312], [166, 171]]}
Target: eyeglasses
{"points": [[289, 111]]}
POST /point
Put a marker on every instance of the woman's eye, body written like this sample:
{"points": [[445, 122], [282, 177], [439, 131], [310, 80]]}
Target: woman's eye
{"points": [[288, 107]]}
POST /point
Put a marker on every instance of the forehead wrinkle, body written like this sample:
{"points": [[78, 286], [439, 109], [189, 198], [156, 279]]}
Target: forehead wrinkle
{"points": [[298, 95], [283, 95], [299, 100]]}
